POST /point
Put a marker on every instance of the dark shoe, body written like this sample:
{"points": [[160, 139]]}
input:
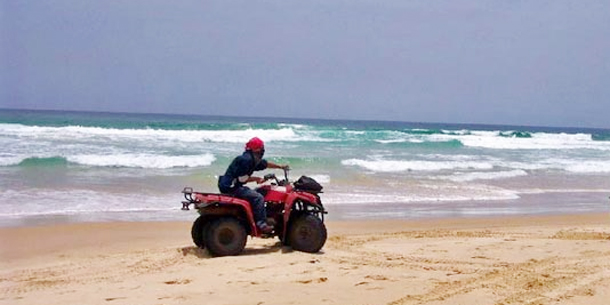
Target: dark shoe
{"points": [[264, 228]]}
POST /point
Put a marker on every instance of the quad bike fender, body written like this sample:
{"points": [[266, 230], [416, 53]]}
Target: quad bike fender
{"points": [[218, 204], [291, 199]]}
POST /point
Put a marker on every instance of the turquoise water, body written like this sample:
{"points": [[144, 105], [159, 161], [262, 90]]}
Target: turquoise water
{"points": [[80, 166]]}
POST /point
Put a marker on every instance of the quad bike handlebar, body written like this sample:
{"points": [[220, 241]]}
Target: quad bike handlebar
{"points": [[272, 176], [269, 177]]}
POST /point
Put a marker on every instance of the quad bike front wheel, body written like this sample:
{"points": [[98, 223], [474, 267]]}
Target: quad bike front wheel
{"points": [[307, 233], [225, 236]]}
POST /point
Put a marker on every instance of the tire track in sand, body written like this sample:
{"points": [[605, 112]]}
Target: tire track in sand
{"points": [[93, 270], [545, 279]]}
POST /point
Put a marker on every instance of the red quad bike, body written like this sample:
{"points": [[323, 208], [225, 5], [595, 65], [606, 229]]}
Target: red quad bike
{"points": [[225, 221]]}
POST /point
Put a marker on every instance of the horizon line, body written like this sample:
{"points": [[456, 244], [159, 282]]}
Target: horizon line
{"points": [[309, 118]]}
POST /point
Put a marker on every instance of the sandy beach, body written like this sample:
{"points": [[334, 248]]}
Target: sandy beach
{"points": [[562, 259]]}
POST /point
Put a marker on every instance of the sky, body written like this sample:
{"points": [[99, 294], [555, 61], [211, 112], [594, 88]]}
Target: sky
{"points": [[539, 63]]}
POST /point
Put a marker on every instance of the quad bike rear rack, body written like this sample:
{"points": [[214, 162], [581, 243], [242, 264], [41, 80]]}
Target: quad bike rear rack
{"points": [[201, 199], [189, 195]]}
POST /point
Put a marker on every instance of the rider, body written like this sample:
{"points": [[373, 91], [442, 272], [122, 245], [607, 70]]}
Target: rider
{"points": [[240, 172]]}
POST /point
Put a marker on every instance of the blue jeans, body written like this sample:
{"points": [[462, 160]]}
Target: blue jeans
{"points": [[257, 202]]}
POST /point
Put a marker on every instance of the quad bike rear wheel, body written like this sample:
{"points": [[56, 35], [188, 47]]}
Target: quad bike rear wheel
{"points": [[225, 236], [307, 233], [198, 231]]}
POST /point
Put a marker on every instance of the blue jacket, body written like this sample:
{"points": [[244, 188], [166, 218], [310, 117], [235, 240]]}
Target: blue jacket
{"points": [[242, 166]]}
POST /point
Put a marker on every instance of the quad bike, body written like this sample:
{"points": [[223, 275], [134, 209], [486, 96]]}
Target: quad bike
{"points": [[225, 221]]}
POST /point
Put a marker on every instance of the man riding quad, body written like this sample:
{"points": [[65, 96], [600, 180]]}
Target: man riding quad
{"points": [[240, 172]]}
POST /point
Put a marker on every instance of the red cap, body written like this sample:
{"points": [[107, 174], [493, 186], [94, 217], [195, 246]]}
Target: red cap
{"points": [[255, 144]]}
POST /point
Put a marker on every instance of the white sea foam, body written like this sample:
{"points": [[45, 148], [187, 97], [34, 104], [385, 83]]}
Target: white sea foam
{"points": [[540, 140], [453, 157], [355, 132], [73, 202], [562, 190], [7, 160], [391, 141], [140, 160], [292, 125], [456, 132], [569, 165], [478, 193], [411, 165], [75, 133], [143, 160], [322, 179], [490, 175], [589, 166]]}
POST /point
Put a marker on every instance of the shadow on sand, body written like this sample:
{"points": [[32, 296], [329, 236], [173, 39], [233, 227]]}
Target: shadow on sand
{"points": [[203, 253]]}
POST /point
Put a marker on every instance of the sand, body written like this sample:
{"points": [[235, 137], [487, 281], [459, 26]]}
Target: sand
{"points": [[518, 260]]}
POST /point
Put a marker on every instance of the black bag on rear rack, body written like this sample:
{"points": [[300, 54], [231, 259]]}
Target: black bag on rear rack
{"points": [[308, 184]]}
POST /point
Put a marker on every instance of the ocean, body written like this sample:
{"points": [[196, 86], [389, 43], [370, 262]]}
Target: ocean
{"points": [[59, 166]]}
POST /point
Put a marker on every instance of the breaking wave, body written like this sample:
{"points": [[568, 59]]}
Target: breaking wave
{"points": [[120, 160]]}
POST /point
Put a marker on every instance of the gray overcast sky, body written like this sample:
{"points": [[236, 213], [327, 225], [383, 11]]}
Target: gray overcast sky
{"points": [[544, 63]]}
